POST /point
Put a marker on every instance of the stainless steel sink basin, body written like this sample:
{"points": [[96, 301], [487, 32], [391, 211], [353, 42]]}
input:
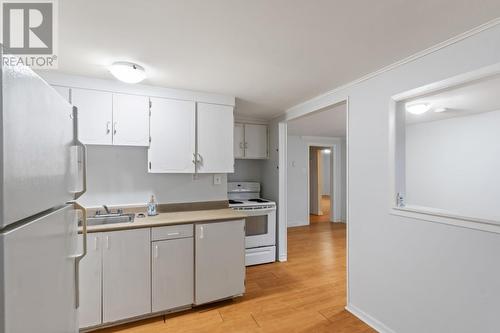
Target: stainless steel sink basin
{"points": [[110, 219]]}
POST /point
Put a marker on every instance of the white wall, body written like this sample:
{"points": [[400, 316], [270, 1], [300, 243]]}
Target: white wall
{"points": [[408, 275], [298, 158], [247, 171], [118, 175], [297, 189], [454, 164], [325, 186]]}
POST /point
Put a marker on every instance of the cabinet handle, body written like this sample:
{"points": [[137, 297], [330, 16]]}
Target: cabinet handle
{"points": [[108, 129], [173, 234], [96, 243], [114, 127], [156, 251], [246, 145], [194, 158], [242, 146], [108, 245], [202, 233]]}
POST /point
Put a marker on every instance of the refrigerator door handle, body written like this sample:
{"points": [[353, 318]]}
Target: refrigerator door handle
{"points": [[83, 162], [82, 255]]}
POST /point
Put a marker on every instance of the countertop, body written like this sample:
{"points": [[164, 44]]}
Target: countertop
{"points": [[164, 219]]}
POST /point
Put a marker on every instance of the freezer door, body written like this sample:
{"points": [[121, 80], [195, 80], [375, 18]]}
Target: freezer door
{"points": [[37, 125], [38, 273]]}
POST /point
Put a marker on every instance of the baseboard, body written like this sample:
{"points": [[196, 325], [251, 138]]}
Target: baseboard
{"points": [[283, 258], [369, 320], [338, 221], [292, 224]]}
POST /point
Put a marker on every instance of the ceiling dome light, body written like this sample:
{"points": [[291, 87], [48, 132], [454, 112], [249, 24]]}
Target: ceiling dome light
{"points": [[418, 108], [327, 151], [127, 72], [439, 110]]}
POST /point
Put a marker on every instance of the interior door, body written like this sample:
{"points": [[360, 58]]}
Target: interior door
{"points": [[95, 115], [219, 260], [172, 126], [39, 275], [215, 138], [255, 141], [130, 120], [36, 139], [239, 141], [126, 283]]}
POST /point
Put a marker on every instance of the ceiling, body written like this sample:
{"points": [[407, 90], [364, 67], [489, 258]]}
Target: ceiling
{"points": [[270, 54], [329, 123], [470, 98]]}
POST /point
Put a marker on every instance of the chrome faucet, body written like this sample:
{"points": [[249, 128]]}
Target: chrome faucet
{"points": [[106, 209]]}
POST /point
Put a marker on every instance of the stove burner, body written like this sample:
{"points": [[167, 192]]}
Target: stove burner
{"points": [[233, 202], [258, 200]]}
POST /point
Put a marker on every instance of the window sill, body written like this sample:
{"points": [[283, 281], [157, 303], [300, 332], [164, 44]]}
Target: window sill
{"points": [[445, 217]]}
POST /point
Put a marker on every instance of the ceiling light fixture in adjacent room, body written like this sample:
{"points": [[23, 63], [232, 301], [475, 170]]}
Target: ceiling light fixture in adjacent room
{"points": [[327, 151], [127, 72], [417, 109]]}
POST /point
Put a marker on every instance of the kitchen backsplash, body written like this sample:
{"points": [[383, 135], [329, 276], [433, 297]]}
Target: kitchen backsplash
{"points": [[118, 176]]}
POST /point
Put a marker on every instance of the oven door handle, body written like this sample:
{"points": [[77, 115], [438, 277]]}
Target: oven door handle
{"points": [[257, 212]]}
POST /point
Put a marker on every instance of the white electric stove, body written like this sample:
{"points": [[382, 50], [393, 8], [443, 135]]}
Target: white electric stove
{"points": [[260, 240]]}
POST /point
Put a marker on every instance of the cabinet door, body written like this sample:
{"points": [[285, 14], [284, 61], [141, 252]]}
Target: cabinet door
{"points": [[126, 283], [255, 141], [219, 260], [130, 120], [172, 146], [90, 283], [63, 91], [95, 115], [239, 141], [173, 274], [215, 138]]}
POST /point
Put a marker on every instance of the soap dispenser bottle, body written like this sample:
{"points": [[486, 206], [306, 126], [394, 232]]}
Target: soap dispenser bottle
{"points": [[152, 206]]}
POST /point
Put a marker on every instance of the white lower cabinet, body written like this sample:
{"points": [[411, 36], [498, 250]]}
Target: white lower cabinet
{"points": [[172, 273], [219, 260], [126, 279], [132, 273], [90, 283]]}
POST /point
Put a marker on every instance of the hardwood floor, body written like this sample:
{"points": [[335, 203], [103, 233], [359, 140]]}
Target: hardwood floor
{"points": [[305, 294], [325, 209]]}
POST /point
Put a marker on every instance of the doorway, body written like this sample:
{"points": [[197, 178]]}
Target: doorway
{"points": [[321, 184]]}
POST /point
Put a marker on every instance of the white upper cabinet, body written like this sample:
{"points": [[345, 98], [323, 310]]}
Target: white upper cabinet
{"points": [[215, 138], [172, 126], [251, 141], [255, 141], [239, 141], [95, 116], [105, 118], [130, 120]]}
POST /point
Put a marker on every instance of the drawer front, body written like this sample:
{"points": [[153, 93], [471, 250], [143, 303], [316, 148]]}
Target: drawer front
{"points": [[172, 232]]}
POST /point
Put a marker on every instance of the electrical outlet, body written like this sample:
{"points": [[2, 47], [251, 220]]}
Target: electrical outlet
{"points": [[217, 179]]}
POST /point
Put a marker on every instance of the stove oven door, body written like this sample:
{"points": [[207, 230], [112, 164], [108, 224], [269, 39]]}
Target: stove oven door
{"points": [[260, 227]]}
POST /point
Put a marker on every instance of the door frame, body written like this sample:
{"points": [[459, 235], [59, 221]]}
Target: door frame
{"points": [[334, 182], [282, 186]]}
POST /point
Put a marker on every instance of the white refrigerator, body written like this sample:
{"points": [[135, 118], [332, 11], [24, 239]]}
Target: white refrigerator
{"points": [[42, 172]]}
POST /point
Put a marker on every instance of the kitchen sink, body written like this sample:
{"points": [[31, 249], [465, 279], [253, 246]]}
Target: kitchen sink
{"points": [[110, 219]]}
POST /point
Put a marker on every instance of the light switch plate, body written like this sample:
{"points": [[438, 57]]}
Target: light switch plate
{"points": [[217, 179]]}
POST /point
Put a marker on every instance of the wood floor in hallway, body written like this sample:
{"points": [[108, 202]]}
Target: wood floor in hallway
{"points": [[305, 294], [325, 209]]}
